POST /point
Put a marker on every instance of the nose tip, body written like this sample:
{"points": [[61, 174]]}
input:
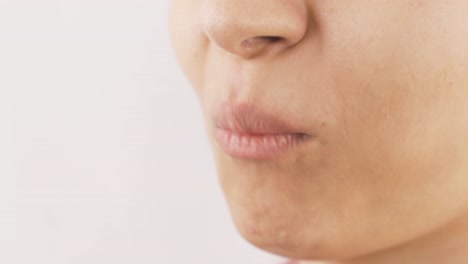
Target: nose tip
{"points": [[248, 28]]}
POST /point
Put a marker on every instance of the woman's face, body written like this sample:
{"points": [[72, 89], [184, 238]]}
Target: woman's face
{"points": [[380, 88]]}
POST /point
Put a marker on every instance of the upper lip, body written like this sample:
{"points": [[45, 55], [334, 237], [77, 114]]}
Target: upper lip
{"points": [[245, 118]]}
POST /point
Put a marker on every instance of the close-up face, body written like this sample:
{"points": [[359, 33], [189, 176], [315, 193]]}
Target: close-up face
{"points": [[339, 128]]}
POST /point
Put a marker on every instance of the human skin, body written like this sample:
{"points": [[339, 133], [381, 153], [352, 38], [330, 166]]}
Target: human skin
{"points": [[383, 87]]}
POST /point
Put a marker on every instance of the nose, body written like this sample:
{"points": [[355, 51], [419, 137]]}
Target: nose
{"points": [[248, 28]]}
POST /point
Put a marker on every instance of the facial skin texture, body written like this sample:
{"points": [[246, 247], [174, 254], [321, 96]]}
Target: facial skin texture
{"points": [[382, 84]]}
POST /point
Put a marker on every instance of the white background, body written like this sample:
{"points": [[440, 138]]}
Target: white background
{"points": [[103, 156]]}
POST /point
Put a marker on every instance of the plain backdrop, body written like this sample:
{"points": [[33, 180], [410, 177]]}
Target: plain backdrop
{"points": [[103, 156]]}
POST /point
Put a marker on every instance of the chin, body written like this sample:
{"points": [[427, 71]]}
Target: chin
{"points": [[286, 233], [295, 231]]}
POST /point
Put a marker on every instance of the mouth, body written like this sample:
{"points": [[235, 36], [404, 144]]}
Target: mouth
{"points": [[247, 132]]}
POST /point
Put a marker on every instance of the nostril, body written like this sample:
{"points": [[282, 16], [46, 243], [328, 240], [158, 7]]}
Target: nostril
{"points": [[274, 39], [259, 41]]}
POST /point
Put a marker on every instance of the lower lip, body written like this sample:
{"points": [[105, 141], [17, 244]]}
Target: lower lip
{"points": [[257, 146]]}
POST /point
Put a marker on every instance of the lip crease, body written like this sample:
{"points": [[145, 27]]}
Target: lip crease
{"points": [[248, 132]]}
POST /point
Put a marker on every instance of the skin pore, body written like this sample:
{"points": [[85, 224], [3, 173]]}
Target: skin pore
{"points": [[383, 87]]}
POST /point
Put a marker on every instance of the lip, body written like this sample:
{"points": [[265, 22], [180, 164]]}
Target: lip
{"points": [[248, 132]]}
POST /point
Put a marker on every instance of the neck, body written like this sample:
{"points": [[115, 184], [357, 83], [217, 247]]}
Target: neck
{"points": [[446, 245]]}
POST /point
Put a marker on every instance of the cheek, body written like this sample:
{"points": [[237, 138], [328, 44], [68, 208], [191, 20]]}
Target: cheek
{"points": [[408, 109], [401, 78]]}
